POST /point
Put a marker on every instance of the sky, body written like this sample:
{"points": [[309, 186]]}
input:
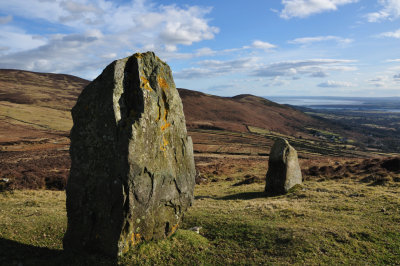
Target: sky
{"points": [[223, 47]]}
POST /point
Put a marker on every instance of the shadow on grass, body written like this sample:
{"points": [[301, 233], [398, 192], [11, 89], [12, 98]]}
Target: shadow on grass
{"points": [[245, 196], [15, 253]]}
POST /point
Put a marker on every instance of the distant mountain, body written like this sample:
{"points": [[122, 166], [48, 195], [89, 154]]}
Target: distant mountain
{"points": [[57, 91], [36, 104], [238, 112]]}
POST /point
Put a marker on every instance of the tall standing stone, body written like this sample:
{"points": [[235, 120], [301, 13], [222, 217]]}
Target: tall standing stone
{"points": [[283, 168], [132, 167]]}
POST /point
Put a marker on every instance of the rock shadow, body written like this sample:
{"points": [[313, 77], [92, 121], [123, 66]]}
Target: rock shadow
{"points": [[245, 196], [16, 253]]}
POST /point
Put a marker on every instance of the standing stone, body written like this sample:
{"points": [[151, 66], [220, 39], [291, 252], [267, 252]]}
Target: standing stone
{"points": [[283, 168], [132, 167]]}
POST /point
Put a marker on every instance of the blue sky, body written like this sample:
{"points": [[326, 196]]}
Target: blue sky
{"points": [[261, 47]]}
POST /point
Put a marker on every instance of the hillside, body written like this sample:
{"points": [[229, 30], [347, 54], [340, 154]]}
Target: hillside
{"points": [[34, 105], [238, 112]]}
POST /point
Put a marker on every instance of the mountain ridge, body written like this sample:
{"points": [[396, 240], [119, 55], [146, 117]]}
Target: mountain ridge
{"points": [[44, 99]]}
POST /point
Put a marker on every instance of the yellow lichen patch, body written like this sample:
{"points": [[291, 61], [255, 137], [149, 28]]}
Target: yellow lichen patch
{"points": [[133, 239], [166, 124], [173, 229], [164, 144], [162, 83], [138, 55], [145, 83]]}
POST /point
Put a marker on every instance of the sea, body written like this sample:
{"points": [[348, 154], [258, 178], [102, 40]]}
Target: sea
{"points": [[382, 104]]}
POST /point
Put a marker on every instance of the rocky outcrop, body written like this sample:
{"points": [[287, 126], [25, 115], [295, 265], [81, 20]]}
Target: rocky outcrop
{"points": [[132, 167], [283, 168]]}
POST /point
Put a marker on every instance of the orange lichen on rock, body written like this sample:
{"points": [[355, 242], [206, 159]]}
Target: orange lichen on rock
{"points": [[173, 229], [166, 124], [162, 83], [164, 144], [145, 83]]}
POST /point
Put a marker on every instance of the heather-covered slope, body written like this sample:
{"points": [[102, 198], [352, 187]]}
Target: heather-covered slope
{"points": [[36, 104]]}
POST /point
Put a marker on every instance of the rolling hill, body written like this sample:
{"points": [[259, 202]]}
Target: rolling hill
{"points": [[34, 105], [35, 121]]}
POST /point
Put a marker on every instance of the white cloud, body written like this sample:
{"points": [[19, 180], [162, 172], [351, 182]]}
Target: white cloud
{"points": [[109, 56], [186, 26], [78, 11], [212, 68], [397, 77], [6, 19], [308, 40], [336, 84], [16, 40], [205, 51], [99, 29], [262, 45], [393, 60], [391, 34], [390, 10], [314, 67], [305, 8]]}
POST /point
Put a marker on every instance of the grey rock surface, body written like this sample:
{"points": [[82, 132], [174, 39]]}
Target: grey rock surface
{"points": [[283, 168], [132, 168]]}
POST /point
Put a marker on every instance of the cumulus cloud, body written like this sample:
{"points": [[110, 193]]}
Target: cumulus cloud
{"points": [[16, 40], [390, 10], [184, 26], [59, 54], [318, 67], [393, 60], [262, 45], [78, 11], [305, 8], [308, 40], [336, 84], [391, 34], [397, 77], [99, 30]]}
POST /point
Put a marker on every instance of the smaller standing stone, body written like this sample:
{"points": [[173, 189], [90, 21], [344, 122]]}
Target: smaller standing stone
{"points": [[283, 168]]}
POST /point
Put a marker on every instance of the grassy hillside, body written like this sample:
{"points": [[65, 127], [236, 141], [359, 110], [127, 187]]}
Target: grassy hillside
{"points": [[327, 222]]}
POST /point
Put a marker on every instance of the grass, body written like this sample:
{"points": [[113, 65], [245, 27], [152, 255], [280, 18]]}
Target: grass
{"points": [[327, 222], [36, 116]]}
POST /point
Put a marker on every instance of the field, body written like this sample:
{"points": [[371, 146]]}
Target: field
{"points": [[322, 222]]}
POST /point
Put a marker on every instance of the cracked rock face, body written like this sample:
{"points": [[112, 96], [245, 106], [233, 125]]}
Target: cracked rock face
{"points": [[283, 168], [132, 167]]}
